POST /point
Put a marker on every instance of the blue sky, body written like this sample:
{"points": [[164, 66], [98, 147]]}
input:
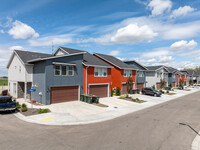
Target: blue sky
{"points": [[150, 31]]}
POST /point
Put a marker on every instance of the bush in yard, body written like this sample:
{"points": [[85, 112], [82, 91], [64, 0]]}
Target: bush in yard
{"points": [[41, 111], [181, 84], [124, 96], [24, 108], [18, 106], [112, 92], [129, 85], [153, 87], [191, 82], [170, 85], [118, 92], [162, 83], [4, 93]]}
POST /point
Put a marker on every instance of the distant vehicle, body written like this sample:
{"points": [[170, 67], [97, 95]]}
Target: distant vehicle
{"points": [[6, 104], [151, 91]]}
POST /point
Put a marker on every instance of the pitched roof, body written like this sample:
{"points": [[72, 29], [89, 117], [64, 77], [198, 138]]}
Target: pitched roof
{"points": [[114, 61], [197, 73], [171, 69], [25, 56], [88, 59], [133, 61], [191, 72], [153, 68], [70, 50]]}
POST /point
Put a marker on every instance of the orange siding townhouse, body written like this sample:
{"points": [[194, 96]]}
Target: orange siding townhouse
{"points": [[119, 73]]}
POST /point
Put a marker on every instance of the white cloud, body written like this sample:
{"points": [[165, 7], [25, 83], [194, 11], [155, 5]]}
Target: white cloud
{"points": [[154, 54], [165, 59], [132, 34], [181, 11], [2, 31], [20, 30], [16, 48], [182, 45], [114, 53], [158, 7], [49, 40]]}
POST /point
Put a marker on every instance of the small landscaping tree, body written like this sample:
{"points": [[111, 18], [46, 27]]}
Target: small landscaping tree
{"points": [[153, 87], [129, 85], [162, 83], [112, 92], [191, 82], [170, 85], [118, 92], [181, 84]]}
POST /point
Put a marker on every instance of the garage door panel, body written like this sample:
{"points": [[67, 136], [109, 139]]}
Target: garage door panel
{"points": [[140, 86], [99, 90], [64, 94]]}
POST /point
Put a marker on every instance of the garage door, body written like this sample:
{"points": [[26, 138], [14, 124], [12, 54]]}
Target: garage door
{"points": [[174, 84], [140, 86], [99, 90], [64, 94], [158, 86], [124, 89]]}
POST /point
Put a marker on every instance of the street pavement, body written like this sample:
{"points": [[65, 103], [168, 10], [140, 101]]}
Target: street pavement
{"points": [[168, 126]]}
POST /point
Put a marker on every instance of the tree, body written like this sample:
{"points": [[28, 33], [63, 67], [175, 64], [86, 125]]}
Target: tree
{"points": [[118, 92], [129, 85], [181, 84], [162, 83], [170, 85], [191, 82]]}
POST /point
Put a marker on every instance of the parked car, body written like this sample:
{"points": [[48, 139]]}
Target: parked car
{"points": [[6, 104], [151, 91]]}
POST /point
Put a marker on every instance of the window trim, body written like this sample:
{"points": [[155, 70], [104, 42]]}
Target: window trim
{"points": [[103, 69], [141, 74], [67, 70], [128, 71]]}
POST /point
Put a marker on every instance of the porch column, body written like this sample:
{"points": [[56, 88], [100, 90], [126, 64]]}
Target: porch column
{"points": [[25, 90]]}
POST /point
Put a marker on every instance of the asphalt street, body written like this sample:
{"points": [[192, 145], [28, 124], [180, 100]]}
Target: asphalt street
{"points": [[167, 126]]}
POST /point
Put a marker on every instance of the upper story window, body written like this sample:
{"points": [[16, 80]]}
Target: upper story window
{"points": [[140, 74], [127, 73], [159, 75], [63, 70], [100, 72], [173, 76], [20, 69]]}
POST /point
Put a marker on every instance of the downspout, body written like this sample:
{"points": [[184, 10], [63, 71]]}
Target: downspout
{"points": [[86, 81]]}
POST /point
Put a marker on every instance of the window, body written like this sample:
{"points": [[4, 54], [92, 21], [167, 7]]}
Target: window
{"points": [[173, 75], [159, 75], [64, 70], [140, 74], [57, 70], [14, 88], [100, 72], [127, 73], [70, 71]]}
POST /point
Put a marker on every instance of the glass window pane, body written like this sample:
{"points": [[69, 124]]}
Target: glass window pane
{"points": [[64, 71], [57, 70]]}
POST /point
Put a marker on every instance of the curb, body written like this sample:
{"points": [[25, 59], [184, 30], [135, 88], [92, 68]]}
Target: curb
{"points": [[90, 121], [196, 143]]}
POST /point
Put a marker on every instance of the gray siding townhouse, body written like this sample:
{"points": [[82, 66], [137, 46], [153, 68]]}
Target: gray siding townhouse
{"points": [[172, 76], [197, 77], [140, 73], [154, 74], [186, 79]]}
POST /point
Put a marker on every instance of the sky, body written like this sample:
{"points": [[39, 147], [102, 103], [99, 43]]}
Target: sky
{"points": [[152, 32]]}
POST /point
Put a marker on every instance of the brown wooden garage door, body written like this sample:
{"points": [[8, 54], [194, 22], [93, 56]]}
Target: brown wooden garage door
{"points": [[158, 86], [174, 84], [140, 86], [124, 89], [64, 94], [99, 90]]}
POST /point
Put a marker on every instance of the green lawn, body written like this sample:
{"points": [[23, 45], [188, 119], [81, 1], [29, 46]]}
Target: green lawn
{"points": [[2, 81]]}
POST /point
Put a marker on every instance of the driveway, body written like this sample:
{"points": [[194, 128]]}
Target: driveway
{"points": [[155, 128]]}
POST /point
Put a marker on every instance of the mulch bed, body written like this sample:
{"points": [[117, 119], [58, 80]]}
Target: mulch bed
{"points": [[132, 100], [30, 112], [100, 105], [169, 93]]}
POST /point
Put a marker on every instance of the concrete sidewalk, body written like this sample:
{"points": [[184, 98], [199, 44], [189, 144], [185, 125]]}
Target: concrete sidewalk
{"points": [[116, 108]]}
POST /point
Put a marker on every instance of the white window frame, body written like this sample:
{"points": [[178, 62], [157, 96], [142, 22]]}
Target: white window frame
{"points": [[140, 74], [67, 70], [55, 71], [97, 69], [128, 72], [67, 67]]}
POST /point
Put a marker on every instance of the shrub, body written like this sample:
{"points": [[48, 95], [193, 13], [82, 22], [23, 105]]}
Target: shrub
{"points": [[4, 93], [153, 87], [18, 106], [24, 108], [112, 92], [124, 96], [170, 85], [129, 85], [43, 111], [118, 92], [136, 99]]}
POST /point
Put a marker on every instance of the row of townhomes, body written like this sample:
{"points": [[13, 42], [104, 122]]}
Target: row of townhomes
{"points": [[64, 75]]}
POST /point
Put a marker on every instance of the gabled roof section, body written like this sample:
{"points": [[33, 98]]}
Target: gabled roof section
{"points": [[135, 62], [185, 72], [114, 61], [171, 69], [90, 60], [191, 72], [197, 73], [26, 56], [68, 50]]}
